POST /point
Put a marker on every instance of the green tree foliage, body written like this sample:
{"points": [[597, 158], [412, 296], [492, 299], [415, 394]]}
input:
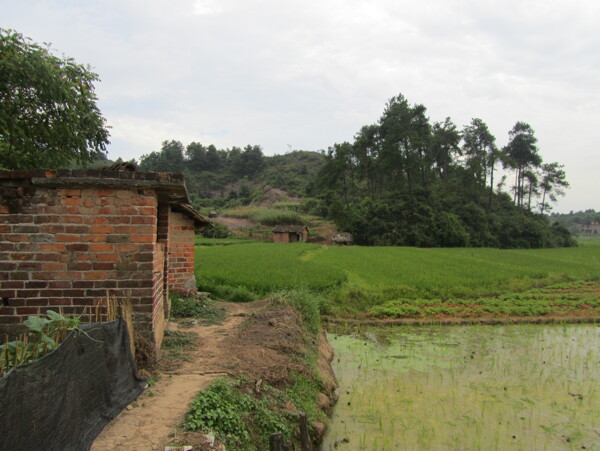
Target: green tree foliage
{"points": [[445, 140], [522, 156], [169, 159], [405, 182], [215, 177], [48, 112], [481, 152], [553, 182]]}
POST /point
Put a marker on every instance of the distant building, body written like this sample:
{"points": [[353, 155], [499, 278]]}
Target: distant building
{"points": [[590, 229], [290, 234], [342, 238]]}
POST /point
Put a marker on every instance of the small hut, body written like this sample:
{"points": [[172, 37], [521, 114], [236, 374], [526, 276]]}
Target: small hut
{"points": [[290, 234]]}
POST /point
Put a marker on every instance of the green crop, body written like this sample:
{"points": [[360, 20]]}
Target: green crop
{"points": [[357, 279], [44, 335]]}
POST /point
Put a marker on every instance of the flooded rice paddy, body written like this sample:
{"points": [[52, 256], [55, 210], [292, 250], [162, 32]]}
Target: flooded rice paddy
{"points": [[517, 387]]}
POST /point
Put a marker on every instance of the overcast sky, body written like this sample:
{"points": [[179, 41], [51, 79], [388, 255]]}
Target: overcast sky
{"points": [[306, 74]]}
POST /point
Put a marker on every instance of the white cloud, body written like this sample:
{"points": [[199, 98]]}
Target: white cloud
{"points": [[207, 7]]}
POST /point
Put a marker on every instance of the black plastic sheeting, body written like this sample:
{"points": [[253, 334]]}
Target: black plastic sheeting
{"points": [[63, 400]]}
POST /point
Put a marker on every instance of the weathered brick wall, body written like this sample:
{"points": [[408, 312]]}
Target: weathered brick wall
{"points": [[160, 262], [180, 261], [281, 238], [68, 249]]}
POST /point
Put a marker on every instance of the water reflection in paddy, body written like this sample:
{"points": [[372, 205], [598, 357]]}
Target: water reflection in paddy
{"points": [[529, 387]]}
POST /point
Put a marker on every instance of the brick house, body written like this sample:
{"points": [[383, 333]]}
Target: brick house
{"points": [[70, 238], [593, 228], [290, 234]]}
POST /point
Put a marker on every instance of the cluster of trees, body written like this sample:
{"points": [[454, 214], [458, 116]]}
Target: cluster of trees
{"points": [[195, 157], [48, 112], [215, 176], [405, 181], [208, 170]]}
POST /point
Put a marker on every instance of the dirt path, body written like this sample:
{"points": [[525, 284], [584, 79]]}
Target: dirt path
{"points": [[163, 406]]}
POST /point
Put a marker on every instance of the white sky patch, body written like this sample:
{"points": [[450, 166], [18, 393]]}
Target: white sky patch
{"points": [[207, 7], [134, 135]]}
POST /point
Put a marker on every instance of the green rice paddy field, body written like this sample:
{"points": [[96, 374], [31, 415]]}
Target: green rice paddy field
{"points": [[393, 282], [476, 387], [467, 387]]}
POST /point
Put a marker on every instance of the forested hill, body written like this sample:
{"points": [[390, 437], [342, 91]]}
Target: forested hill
{"points": [[402, 181], [215, 177]]}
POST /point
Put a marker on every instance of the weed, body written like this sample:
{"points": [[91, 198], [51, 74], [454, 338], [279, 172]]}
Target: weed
{"points": [[225, 292], [204, 310], [178, 344], [241, 421], [303, 393], [153, 380], [306, 302]]}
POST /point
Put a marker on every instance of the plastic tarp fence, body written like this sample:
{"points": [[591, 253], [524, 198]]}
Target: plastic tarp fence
{"points": [[63, 400]]}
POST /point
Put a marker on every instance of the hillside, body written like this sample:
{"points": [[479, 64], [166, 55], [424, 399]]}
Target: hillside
{"points": [[215, 177]]}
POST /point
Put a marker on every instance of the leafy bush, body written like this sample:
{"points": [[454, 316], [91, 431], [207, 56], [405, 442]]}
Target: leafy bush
{"points": [[287, 206], [44, 335], [217, 231], [234, 417]]}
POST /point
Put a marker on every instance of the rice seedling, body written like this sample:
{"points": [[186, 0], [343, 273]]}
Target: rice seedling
{"points": [[411, 282], [525, 387]]}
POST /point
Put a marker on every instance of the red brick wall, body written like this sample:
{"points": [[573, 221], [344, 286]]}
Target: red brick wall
{"points": [[180, 273], [163, 239], [69, 248], [281, 237]]}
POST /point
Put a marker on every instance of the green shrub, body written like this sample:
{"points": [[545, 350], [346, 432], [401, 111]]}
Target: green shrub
{"points": [[217, 231], [306, 302], [241, 421]]}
